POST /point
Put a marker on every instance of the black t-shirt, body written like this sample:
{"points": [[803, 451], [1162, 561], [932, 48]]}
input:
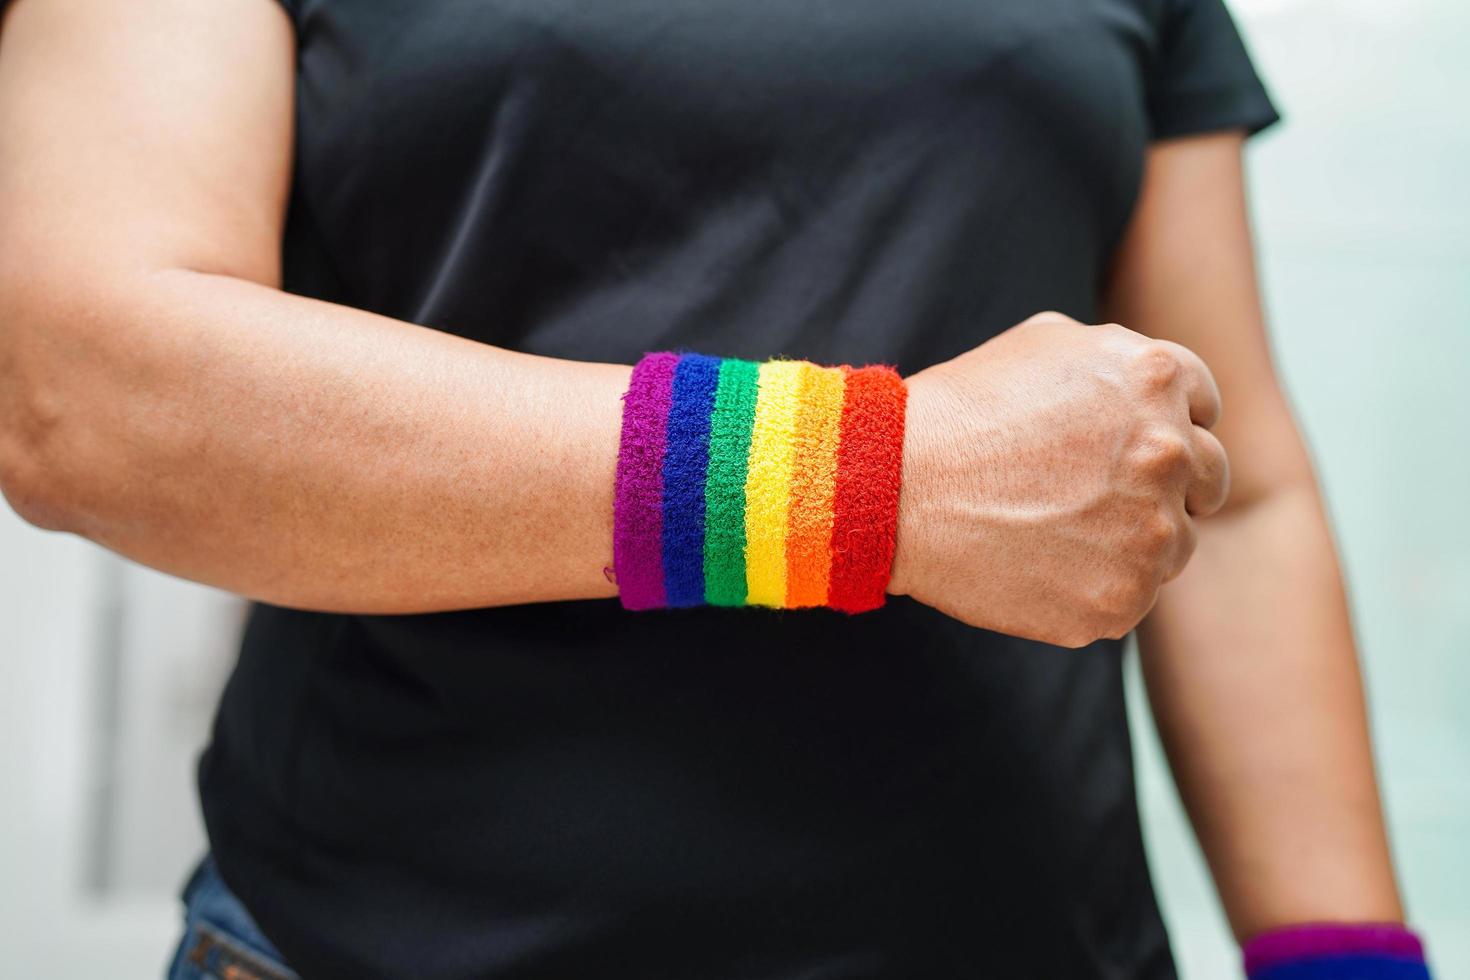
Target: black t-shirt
{"points": [[573, 791]]}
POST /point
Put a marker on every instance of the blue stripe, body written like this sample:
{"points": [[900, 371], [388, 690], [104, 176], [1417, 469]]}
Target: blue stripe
{"points": [[686, 462], [1351, 966]]}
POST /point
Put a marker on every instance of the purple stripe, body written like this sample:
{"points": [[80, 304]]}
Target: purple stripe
{"points": [[1330, 939], [638, 504]]}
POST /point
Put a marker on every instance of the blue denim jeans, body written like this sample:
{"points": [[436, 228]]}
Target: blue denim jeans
{"points": [[221, 941]]}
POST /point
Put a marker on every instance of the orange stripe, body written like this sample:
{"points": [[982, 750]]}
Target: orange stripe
{"points": [[813, 482]]}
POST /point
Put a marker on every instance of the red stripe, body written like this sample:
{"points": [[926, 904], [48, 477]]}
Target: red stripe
{"points": [[865, 500]]}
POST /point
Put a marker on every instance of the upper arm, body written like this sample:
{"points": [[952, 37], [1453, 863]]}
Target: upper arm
{"points": [[1185, 272], [143, 134]]}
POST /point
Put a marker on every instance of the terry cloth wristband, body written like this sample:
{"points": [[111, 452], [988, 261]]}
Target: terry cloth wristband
{"points": [[745, 484], [1336, 951]]}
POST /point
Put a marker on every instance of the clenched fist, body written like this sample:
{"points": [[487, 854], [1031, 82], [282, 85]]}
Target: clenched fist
{"points": [[1051, 477]]}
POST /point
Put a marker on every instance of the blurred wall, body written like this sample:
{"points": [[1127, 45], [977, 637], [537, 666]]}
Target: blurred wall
{"points": [[108, 671]]}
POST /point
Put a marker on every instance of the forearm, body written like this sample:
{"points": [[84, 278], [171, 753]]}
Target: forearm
{"points": [[305, 453], [205, 422], [1250, 666]]}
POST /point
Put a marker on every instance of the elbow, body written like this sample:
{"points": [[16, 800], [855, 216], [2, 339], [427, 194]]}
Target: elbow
{"points": [[30, 484], [90, 408], [29, 493], [82, 406], [31, 480]]}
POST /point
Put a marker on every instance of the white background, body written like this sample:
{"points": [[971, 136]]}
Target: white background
{"points": [[108, 671]]}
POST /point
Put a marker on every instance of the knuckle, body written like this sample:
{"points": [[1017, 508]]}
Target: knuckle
{"points": [[1076, 638], [1113, 600], [1160, 451], [1160, 533], [1121, 621], [1185, 543], [1144, 604], [1219, 492], [1109, 625], [1156, 367], [1104, 601], [1129, 623], [1078, 628], [1049, 316]]}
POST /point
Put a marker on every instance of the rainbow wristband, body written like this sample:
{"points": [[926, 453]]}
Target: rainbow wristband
{"points": [[1336, 951], [744, 484]]}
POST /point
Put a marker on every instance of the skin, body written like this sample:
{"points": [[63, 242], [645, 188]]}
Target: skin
{"points": [[1090, 450], [1249, 654], [161, 396]]}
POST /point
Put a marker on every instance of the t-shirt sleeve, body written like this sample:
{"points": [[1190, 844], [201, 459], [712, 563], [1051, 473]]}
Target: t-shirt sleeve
{"points": [[1202, 78]]}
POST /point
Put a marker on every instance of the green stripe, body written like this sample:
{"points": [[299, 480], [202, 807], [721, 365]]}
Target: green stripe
{"points": [[724, 488]]}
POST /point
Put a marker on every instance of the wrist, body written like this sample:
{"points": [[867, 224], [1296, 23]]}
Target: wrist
{"points": [[909, 524], [1314, 950], [923, 431]]}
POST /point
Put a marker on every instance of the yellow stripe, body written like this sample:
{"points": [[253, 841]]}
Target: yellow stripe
{"points": [[813, 482], [768, 480]]}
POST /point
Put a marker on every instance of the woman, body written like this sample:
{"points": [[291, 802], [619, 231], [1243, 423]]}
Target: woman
{"points": [[332, 304]]}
